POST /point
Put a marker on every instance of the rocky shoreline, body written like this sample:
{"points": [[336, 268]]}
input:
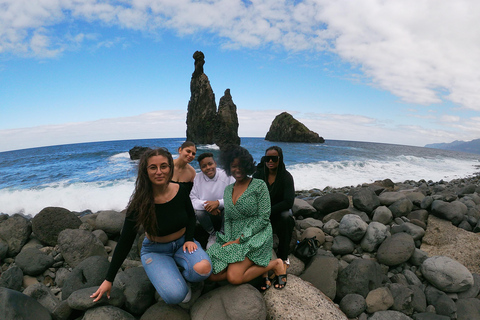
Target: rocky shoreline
{"points": [[407, 250]]}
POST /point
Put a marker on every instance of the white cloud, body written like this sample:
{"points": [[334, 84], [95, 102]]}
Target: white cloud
{"points": [[422, 51]]}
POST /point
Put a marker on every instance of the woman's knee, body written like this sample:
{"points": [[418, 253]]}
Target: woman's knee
{"points": [[174, 297], [203, 267], [234, 278]]}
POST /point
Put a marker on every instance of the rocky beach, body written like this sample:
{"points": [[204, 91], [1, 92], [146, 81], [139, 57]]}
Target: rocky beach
{"points": [[408, 250]]}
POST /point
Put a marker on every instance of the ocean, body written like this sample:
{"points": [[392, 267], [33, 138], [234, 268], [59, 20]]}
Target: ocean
{"points": [[100, 175]]}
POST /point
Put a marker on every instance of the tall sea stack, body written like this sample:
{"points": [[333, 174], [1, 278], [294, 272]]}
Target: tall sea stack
{"points": [[227, 122], [202, 110]]}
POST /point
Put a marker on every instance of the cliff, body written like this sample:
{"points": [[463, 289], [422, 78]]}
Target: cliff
{"points": [[285, 128], [227, 122], [461, 146]]}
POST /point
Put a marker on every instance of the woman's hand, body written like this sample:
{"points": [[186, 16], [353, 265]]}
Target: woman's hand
{"points": [[231, 242], [189, 246], [105, 287]]}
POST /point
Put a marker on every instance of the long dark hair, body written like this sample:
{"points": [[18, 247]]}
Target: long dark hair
{"points": [[141, 201], [280, 168]]}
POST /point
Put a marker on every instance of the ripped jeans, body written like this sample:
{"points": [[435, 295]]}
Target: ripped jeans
{"points": [[161, 262]]}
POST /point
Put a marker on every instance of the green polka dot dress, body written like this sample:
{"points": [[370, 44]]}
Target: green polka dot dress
{"points": [[250, 217]]}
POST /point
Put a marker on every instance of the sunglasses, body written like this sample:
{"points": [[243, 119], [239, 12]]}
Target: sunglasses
{"points": [[268, 158]]}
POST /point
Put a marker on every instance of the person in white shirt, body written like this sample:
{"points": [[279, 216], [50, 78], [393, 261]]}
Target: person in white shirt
{"points": [[207, 194]]}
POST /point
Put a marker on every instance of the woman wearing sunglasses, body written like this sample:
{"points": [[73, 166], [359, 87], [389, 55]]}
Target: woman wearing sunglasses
{"points": [[280, 185]]}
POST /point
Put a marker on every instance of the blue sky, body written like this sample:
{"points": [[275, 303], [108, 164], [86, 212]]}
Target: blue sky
{"points": [[381, 71]]}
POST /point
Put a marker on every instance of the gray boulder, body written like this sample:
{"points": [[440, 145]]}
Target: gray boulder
{"points": [[421, 215], [352, 305], [139, 291], [401, 208], [331, 202], [389, 198], [50, 221], [418, 257], [468, 309], [3, 249], [15, 231], [336, 215], [89, 273], [396, 249], [443, 304], [447, 274], [163, 311], [473, 291], [12, 278], [353, 227], [426, 202], [360, 276], [110, 221], [43, 295], [298, 300], [383, 215], [15, 305], [101, 235], [302, 208], [76, 245], [322, 272], [81, 300], [342, 245], [231, 302], [107, 313], [402, 298], [364, 199], [374, 236], [389, 315], [419, 300], [33, 262], [415, 231], [379, 299], [308, 223], [451, 211]]}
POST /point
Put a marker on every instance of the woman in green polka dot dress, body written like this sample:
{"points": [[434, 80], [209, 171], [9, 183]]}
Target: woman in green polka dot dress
{"points": [[245, 250]]}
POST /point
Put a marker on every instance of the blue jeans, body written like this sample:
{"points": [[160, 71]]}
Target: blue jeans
{"points": [[161, 262]]}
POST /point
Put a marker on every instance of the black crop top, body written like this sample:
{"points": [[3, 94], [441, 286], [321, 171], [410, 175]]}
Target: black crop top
{"points": [[171, 216]]}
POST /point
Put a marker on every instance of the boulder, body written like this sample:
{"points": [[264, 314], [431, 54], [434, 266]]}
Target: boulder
{"points": [[364, 199], [360, 276], [383, 215], [3, 249], [299, 300], [308, 223], [447, 274], [139, 291], [468, 309], [302, 208], [110, 221], [389, 198], [322, 272], [107, 313], [232, 302], [33, 262], [473, 291], [451, 211], [331, 202], [76, 245], [342, 245], [336, 215], [43, 295], [12, 278], [415, 231], [396, 249], [401, 208], [81, 300], [402, 298], [226, 126], [50, 221], [137, 152], [88, 273], [16, 305], [443, 304], [389, 315], [15, 231], [352, 305], [353, 227], [285, 128], [379, 299], [374, 236], [163, 311], [444, 239]]}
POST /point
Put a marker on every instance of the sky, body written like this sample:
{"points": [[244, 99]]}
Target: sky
{"points": [[402, 72]]}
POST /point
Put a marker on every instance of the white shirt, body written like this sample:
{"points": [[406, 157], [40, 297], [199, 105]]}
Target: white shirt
{"points": [[206, 189]]}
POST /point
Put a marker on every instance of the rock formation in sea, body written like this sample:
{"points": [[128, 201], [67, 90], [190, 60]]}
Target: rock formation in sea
{"points": [[204, 124], [202, 109], [285, 128], [227, 122]]}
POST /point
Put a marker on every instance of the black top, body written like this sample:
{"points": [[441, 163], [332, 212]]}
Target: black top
{"points": [[282, 191], [187, 185], [171, 216]]}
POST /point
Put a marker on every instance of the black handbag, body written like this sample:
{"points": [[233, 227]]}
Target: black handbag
{"points": [[306, 248]]}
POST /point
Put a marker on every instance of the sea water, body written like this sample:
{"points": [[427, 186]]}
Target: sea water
{"points": [[100, 175]]}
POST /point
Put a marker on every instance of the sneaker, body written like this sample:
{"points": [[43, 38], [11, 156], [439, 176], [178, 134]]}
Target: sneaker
{"points": [[211, 240]]}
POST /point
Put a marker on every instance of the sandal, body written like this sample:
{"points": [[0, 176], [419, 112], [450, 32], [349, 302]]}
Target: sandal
{"points": [[267, 283], [280, 281]]}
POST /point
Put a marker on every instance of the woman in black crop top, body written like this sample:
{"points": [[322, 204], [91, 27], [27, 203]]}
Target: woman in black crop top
{"points": [[184, 172], [165, 211]]}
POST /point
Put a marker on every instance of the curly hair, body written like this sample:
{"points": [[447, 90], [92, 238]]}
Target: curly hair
{"points": [[141, 202], [232, 152]]}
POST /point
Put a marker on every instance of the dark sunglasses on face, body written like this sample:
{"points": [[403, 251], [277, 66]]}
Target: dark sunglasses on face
{"points": [[268, 158]]}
